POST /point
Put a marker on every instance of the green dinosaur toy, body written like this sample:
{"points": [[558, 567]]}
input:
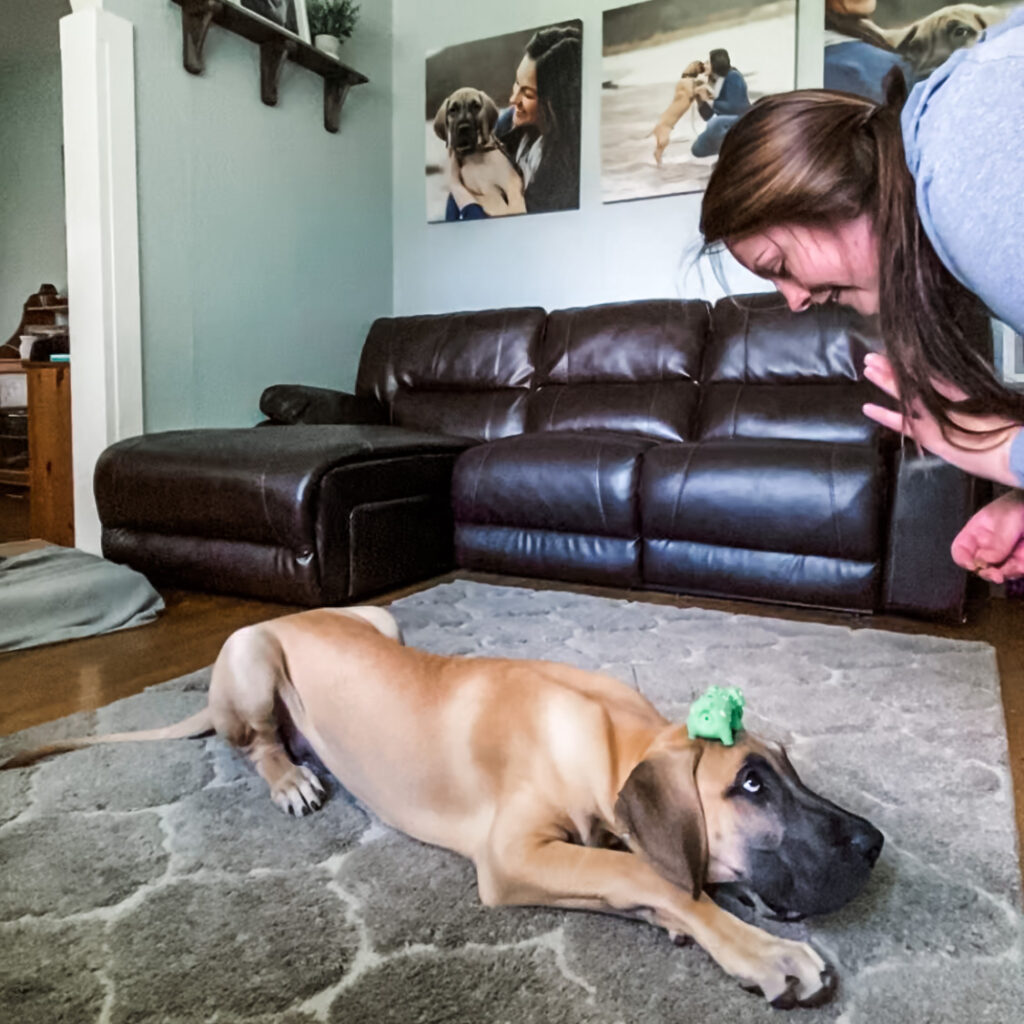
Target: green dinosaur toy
{"points": [[717, 715]]}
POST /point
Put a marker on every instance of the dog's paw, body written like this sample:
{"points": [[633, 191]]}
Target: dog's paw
{"points": [[298, 792], [790, 974]]}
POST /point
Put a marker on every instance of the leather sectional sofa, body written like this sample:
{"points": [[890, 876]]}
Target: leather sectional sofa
{"points": [[661, 444]]}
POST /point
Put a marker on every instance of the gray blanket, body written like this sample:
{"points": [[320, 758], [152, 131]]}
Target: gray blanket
{"points": [[58, 593]]}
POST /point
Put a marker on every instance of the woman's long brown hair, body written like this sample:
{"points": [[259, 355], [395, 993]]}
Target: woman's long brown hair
{"points": [[817, 157]]}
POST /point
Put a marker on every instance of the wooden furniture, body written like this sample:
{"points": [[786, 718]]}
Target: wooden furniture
{"points": [[49, 476], [44, 314], [276, 46]]}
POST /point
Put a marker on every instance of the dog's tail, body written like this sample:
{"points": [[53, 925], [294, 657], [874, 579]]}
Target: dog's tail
{"points": [[199, 724]]}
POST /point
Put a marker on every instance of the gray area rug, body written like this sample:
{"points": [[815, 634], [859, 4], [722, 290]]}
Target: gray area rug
{"points": [[157, 882]]}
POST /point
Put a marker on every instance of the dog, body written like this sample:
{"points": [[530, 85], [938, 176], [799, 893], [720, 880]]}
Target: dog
{"points": [[477, 161], [693, 84], [927, 42], [566, 788]]}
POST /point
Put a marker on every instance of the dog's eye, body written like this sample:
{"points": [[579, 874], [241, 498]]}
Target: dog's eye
{"points": [[751, 783]]}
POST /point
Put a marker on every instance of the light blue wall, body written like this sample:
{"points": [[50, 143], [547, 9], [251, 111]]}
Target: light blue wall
{"points": [[32, 249], [598, 253], [265, 242]]}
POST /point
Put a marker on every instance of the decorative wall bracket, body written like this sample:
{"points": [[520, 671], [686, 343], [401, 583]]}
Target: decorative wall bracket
{"points": [[275, 48]]}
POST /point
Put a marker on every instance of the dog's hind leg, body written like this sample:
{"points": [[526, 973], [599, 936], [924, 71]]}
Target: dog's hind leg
{"points": [[249, 693]]}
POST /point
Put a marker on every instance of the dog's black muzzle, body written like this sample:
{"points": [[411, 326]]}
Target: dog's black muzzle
{"points": [[819, 861], [464, 135]]}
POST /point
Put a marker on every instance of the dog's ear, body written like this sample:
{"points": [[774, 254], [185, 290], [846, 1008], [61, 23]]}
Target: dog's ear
{"points": [[660, 808], [489, 115], [901, 46], [440, 122]]}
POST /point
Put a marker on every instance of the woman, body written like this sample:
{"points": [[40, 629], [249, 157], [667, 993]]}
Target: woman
{"points": [[541, 128], [724, 108], [834, 198]]}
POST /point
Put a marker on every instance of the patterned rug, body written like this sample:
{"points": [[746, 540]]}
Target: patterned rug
{"points": [[157, 882]]}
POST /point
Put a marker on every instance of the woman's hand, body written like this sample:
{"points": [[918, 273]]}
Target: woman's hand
{"points": [[992, 542], [978, 455]]}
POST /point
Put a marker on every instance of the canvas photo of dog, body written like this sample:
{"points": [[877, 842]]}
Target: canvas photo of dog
{"points": [[865, 38], [502, 124], [675, 76]]}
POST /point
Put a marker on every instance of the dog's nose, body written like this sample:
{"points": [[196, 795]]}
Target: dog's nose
{"points": [[868, 841]]}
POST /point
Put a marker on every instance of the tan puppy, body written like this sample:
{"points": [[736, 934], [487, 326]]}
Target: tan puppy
{"points": [[692, 85], [565, 788], [476, 159]]}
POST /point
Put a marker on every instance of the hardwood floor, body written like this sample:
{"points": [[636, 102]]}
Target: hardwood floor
{"points": [[44, 683]]}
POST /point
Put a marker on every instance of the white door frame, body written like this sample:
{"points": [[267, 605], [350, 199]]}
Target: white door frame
{"points": [[101, 205]]}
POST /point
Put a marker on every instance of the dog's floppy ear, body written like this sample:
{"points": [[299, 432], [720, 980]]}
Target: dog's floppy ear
{"points": [[660, 808], [901, 46], [489, 115], [440, 122]]}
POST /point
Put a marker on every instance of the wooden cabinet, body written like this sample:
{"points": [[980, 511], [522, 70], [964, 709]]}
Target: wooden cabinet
{"points": [[49, 475]]}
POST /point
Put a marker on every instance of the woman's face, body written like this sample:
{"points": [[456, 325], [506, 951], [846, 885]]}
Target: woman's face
{"points": [[525, 107], [814, 265]]}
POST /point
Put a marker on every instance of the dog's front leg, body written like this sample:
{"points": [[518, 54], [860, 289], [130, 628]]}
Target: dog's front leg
{"points": [[544, 871]]}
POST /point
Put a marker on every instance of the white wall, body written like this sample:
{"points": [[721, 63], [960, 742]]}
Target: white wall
{"points": [[265, 242], [599, 253]]}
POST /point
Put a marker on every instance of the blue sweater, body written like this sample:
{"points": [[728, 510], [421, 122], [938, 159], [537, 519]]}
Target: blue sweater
{"points": [[731, 101], [963, 130]]}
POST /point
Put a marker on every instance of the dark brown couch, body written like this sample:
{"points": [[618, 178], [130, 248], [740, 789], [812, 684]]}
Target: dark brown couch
{"points": [[661, 445]]}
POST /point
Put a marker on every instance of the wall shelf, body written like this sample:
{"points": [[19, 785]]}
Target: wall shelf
{"points": [[275, 46]]}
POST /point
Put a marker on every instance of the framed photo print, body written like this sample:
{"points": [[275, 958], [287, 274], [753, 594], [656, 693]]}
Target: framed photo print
{"points": [[675, 76], [865, 38], [287, 15], [502, 124]]}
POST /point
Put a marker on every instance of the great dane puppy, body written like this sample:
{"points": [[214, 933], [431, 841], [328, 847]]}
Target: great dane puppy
{"points": [[930, 40], [465, 121], [927, 42], [565, 788]]}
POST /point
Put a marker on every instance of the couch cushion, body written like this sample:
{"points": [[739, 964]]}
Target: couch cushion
{"points": [[466, 374], [625, 366], [795, 521], [573, 482], [770, 374], [794, 496]]}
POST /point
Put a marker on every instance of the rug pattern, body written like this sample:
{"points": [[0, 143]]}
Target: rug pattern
{"points": [[157, 883]]}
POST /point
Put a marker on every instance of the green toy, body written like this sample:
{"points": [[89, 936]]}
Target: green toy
{"points": [[717, 715]]}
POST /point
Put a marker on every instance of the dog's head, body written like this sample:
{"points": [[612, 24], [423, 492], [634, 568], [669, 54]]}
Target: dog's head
{"points": [[704, 815], [932, 39], [466, 120]]}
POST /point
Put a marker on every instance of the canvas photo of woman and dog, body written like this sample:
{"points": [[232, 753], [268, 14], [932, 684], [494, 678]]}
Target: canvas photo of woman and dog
{"points": [[503, 125], [865, 38], [675, 76]]}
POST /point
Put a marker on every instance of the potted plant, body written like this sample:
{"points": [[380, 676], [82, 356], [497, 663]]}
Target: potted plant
{"points": [[331, 21]]}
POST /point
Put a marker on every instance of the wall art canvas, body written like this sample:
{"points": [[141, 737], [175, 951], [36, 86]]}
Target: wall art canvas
{"points": [[502, 125], [675, 75], [288, 15], [865, 38]]}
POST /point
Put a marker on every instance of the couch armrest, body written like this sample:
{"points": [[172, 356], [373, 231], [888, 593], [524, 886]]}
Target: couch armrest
{"points": [[300, 403], [931, 502]]}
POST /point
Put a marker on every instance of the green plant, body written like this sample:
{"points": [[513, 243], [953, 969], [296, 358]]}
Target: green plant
{"points": [[332, 17]]}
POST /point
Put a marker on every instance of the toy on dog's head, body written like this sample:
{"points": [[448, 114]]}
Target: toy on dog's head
{"points": [[716, 715]]}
